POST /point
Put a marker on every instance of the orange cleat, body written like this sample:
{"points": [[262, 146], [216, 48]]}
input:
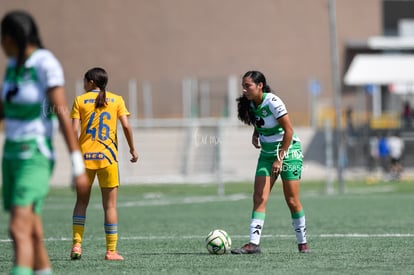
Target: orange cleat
{"points": [[113, 256], [76, 252]]}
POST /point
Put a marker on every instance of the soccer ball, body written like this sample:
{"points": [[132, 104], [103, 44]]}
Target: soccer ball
{"points": [[218, 242]]}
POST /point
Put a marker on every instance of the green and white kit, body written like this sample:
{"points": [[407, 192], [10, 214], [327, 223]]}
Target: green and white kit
{"points": [[29, 127], [271, 135]]}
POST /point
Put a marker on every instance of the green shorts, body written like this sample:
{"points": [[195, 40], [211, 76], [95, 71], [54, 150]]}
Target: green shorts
{"points": [[26, 181], [291, 166]]}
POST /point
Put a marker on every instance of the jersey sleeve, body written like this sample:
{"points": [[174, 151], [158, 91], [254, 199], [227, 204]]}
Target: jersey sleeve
{"points": [[74, 113], [53, 71], [277, 107], [122, 110]]}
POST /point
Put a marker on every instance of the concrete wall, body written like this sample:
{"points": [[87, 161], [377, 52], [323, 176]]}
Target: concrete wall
{"points": [[163, 41]]}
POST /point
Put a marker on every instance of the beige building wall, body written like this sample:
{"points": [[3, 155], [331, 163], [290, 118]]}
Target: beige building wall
{"points": [[164, 41]]}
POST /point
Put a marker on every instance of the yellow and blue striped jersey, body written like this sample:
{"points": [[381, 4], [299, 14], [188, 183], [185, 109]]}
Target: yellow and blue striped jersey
{"points": [[98, 137]]}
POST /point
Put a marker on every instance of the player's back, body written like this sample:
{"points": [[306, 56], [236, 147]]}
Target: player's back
{"points": [[98, 137]]}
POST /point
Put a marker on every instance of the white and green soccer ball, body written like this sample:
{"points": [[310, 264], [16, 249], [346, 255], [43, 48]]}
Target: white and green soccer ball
{"points": [[218, 242]]}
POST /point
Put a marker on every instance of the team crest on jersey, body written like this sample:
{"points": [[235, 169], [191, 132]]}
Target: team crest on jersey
{"points": [[259, 122], [264, 112]]}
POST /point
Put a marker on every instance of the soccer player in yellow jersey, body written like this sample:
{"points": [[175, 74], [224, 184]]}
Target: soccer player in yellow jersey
{"points": [[96, 113]]}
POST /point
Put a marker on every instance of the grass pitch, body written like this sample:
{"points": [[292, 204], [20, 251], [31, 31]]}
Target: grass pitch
{"points": [[367, 230]]}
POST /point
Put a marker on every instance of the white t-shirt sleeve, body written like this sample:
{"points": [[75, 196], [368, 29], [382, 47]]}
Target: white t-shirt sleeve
{"points": [[53, 71], [277, 107]]}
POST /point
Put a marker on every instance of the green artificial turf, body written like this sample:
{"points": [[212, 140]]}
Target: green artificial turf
{"points": [[367, 230]]}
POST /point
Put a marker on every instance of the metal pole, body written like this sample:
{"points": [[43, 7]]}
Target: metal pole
{"points": [[232, 94], [194, 98], [186, 97], [205, 99], [147, 96], [329, 157], [376, 101], [337, 93], [132, 98], [219, 162]]}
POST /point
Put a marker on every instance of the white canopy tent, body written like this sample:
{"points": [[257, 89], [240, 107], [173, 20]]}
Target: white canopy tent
{"points": [[380, 69], [393, 70]]}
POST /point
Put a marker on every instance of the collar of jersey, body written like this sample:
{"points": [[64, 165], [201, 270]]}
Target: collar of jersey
{"points": [[263, 98]]}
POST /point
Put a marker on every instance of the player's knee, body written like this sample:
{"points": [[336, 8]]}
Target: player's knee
{"points": [[293, 204], [259, 199], [18, 232]]}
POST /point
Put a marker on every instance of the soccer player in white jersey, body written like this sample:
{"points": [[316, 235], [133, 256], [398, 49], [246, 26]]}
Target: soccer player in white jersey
{"points": [[280, 154], [32, 96]]}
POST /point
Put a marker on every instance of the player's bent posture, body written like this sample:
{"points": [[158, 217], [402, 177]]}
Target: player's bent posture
{"points": [[96, 113], [280, 154], [32, 96]]}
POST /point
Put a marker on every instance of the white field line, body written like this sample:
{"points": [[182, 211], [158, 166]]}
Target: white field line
{"points": [[276, 236], [184, 200], [158, 201]]}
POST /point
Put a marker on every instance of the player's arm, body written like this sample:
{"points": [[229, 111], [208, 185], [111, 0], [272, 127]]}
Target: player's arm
{"points": [[58, 101], [76, 126], [284, 121], [126, 127], [255, 139], [279, 111], [1, 110]]}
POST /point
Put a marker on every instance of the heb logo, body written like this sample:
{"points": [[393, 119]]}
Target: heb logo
{"points": [[93, 156], [92, 100]]}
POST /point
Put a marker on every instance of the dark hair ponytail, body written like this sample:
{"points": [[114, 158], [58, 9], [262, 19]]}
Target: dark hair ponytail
{"points": [[23, 29], [100, 100], [244, 108], [100, 79]]}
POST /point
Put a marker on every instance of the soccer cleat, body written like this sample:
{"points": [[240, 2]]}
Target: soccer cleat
{"points": [[76, 252], [249, 248], [113, 256], [304, 248]]}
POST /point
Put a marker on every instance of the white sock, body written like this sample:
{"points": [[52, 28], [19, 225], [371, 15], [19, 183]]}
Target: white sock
{"points": [[45, 271], [256, 227], [299, 225]]}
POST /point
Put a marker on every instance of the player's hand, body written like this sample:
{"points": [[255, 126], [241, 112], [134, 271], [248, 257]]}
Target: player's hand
{"points": [[276, 168], [134, 155], [255, 141]]}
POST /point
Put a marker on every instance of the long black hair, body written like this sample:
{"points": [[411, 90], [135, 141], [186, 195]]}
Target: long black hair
{"points": [[21, 26], [244, 109], [100, 79]]}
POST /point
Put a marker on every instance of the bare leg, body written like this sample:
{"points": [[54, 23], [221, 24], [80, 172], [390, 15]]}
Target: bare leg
{"points": [[109, 198], [21, 231], [291, 192], [41, 256], [83, 193], [262, 187]]}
